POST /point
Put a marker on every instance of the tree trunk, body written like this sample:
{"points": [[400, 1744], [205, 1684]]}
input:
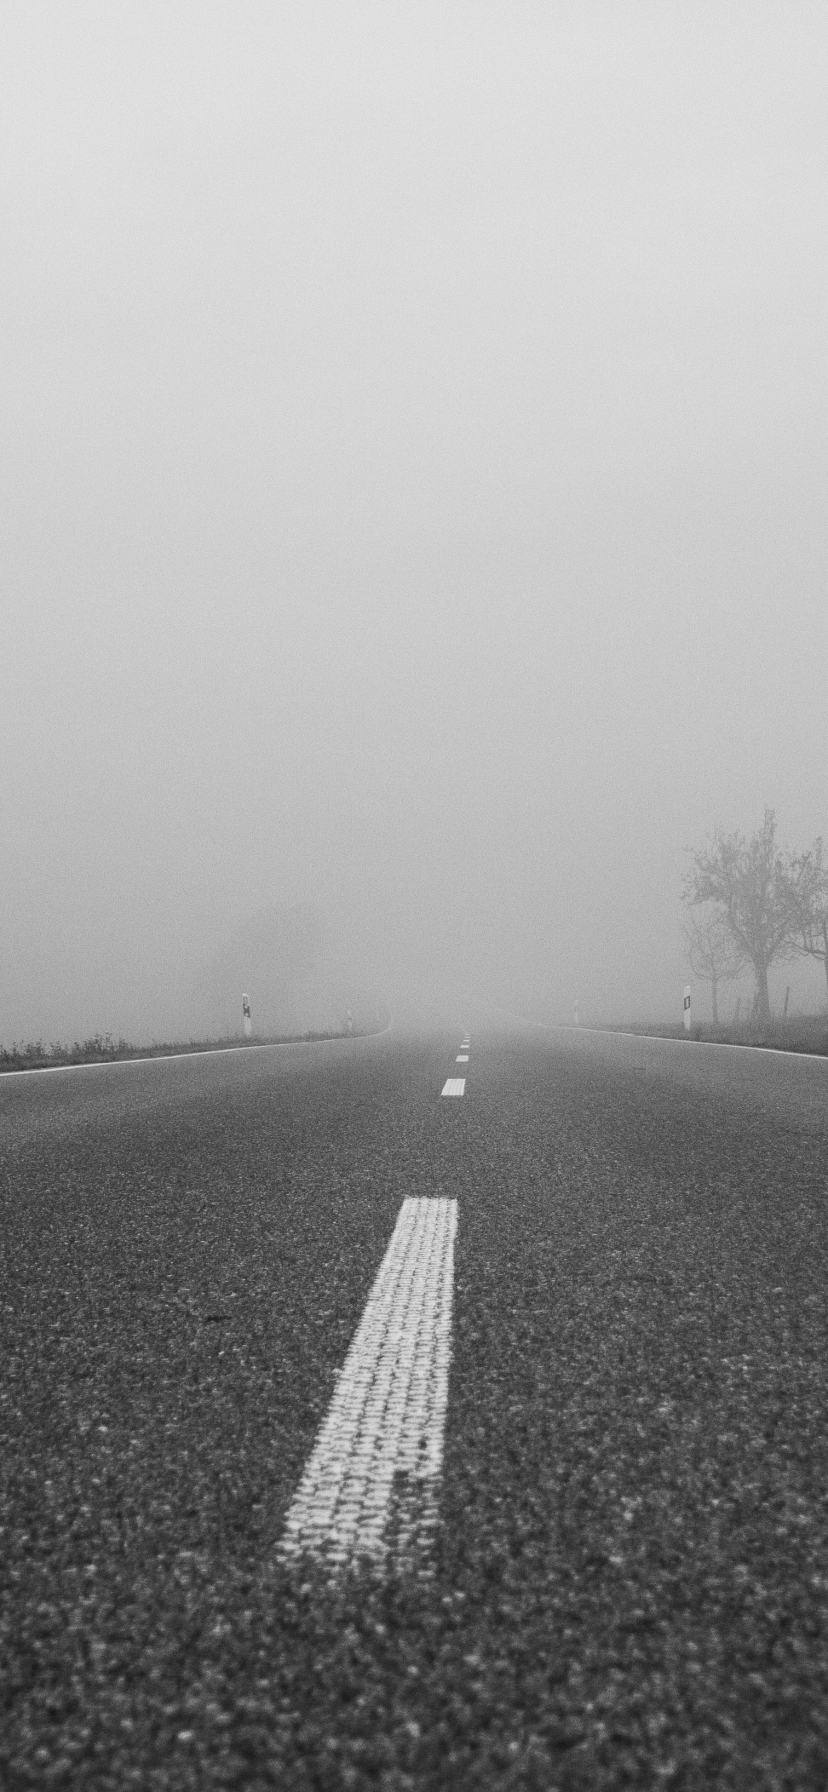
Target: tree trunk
{"points": [[714, 989], [763, 1012]]}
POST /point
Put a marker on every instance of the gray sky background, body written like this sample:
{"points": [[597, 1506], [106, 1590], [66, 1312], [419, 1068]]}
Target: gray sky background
{"points": [[414, 487]]}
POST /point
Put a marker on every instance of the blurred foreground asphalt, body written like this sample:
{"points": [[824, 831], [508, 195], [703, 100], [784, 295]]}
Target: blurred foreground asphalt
{"points": [[631, 1581]]}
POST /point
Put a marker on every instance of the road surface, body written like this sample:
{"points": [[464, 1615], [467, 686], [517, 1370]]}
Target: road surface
{"points": [[585, 1544]]}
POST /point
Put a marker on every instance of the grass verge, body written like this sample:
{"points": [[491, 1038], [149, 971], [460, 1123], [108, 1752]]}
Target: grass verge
{"points": [[103, 1049], [801, 1033]]}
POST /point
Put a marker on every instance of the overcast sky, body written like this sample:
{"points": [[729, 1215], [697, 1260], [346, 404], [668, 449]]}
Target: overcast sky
{"points": [[414, 485]]}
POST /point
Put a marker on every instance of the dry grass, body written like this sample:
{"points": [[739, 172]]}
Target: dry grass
{"points": [[103, 1049], [799, 1033]]}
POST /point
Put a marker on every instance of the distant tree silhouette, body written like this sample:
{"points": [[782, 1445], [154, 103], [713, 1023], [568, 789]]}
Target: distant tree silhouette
{"points": [[755, 889], [809, 904], [713, 953]]}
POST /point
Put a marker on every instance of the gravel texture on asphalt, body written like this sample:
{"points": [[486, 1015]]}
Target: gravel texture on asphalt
{"points": [[630, 1581]]}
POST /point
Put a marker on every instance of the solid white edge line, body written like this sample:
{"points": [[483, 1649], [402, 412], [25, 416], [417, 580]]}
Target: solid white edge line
{"points": [[212, 1051], [712, 1045]]}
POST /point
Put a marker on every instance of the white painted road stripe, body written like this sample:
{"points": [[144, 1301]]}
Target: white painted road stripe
{"points": [[371, 1484], [462, 1059], [456, 1085]]}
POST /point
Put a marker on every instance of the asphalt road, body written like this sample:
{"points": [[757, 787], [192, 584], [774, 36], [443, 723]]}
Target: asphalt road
{"points": [[629, 1582]]}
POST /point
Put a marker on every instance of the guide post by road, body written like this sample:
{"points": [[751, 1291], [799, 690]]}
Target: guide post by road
{"points": [[248, 1021], [687, 1022]]}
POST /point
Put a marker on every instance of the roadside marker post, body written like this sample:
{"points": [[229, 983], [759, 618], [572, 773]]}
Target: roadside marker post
{"points": [[248, 1022], [687, 1007]]}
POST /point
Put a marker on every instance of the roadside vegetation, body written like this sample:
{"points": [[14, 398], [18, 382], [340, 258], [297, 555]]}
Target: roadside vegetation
{"points": [[751, 904], [796, 1033], [103, 1049]]}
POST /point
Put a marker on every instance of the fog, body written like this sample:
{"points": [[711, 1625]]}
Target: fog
{"points": [[414, 470]]}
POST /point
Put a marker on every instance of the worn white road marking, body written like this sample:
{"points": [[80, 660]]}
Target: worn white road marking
{"points": [[463, 1058], [455, 1085], [371, 1483]]}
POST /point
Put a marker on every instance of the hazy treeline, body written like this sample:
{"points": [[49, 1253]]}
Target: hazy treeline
{"points": [[751, 904]]}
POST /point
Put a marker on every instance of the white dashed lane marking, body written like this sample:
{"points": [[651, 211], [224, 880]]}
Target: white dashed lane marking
{"points": [[455, 1085], [462, 1059], [372, 1481]]}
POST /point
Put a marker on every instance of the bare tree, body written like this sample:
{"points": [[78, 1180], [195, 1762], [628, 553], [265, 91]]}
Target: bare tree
{"points": [[754, 889], [809, 904], [713, 952]]}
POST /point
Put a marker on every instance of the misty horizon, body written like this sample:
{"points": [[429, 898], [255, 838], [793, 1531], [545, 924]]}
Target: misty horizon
{"points": [[415, 444]]}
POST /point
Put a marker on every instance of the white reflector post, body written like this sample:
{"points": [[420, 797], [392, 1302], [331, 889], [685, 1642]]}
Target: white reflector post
{"points": [[248, 1022], [687, 1007]]}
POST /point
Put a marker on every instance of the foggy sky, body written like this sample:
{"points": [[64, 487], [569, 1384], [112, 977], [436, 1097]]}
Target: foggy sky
{"points": [[414, 489]]}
